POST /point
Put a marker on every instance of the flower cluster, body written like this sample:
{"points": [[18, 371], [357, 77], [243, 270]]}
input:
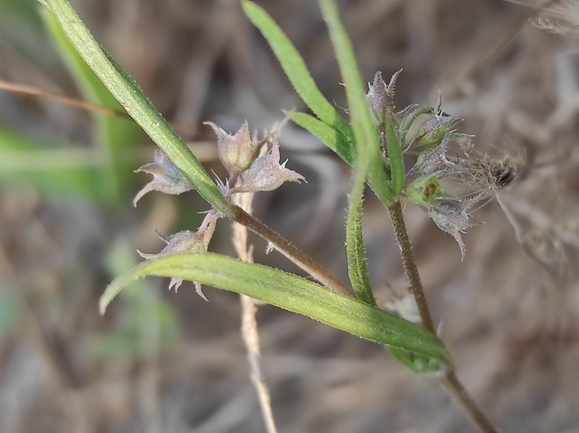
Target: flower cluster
{"points": [[248, 172], [422, 187], [187, 242]]}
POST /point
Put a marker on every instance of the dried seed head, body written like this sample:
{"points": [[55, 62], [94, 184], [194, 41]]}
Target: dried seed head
{"points": [[486, 173], [560, 17]]}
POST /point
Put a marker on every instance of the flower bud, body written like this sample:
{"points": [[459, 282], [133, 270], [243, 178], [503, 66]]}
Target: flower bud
{"points": [[434, 129], [236, 152], [437, 127], [380, 98], [180, 243], [166, 177]]}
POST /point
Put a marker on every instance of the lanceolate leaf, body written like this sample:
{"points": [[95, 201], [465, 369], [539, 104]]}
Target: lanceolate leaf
{"points": [[396, 159], [137, 105], [291, 293], [357, 269], [326, 134], [114, 136], [296, 70]]}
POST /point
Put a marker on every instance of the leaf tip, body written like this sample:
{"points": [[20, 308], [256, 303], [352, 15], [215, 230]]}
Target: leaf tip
{"points": [[103, 304]]}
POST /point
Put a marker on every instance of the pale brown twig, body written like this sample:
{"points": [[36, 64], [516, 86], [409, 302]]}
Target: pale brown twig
{"points": [[249, 330], [83, 105]]}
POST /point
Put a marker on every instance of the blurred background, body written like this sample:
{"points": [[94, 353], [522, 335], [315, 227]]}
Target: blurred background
{"points": [[165, 362]]}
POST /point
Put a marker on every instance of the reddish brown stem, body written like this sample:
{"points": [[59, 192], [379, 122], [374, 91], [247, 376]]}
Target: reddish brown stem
{"points": [[461, 397], [401, 234], [449, 381], [290, 251]]}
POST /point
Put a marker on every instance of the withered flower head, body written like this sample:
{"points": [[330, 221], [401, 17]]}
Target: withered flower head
{"points": [[187, 242], [166, 177], [266, 173], [236, 152]]}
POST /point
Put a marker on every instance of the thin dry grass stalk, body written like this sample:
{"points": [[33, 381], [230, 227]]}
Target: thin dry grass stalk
{"points": [[249, 330]]}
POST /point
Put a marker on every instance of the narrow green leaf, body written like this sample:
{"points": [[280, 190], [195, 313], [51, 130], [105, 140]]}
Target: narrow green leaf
{"points": [[355, 250], [357, 269], [326, 134], [396, 158], [134, 101], [114, 136], [367, 137], [329, 136], [416, 362], [291, 293], [367, 146], [89, 84], [296, 70]]}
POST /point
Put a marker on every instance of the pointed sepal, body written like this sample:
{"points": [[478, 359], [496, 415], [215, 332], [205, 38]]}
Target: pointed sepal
{"points": [[166, 177], [237, 151], [266, 173]]}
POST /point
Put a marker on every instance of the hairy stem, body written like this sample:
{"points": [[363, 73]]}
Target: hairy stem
{"points": [[397, 217], [290, 251], [461, 397], [449, 381]]}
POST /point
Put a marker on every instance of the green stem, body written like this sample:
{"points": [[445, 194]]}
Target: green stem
{"points": [[365, 133]]}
